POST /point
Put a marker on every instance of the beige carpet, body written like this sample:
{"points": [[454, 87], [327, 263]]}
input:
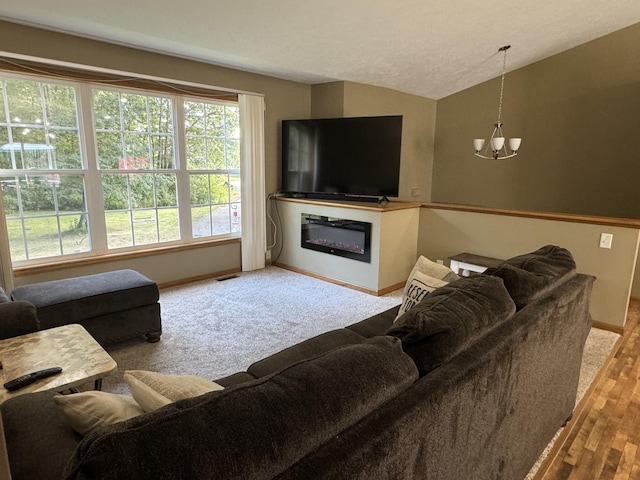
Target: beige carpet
{"points": [[215, 328]]}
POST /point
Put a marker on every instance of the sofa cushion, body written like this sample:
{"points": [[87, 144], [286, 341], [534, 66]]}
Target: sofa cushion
{"points": [[72, 300], [234, 379], [304, 350], [376, 324], [533, 275], [39, 439], [254, 430], [18, 318], [452, 318]]}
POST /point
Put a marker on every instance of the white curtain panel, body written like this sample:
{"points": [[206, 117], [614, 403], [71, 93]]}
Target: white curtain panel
{"points": [[6, 268], [252, 178]]}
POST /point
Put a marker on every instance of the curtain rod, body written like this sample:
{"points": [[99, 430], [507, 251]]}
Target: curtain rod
{"points": [[110, 71]]}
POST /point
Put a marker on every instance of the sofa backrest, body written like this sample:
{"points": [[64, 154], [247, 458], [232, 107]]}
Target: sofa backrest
{"points": [[254, 430], [486, 413], [533, 275], [451, 318]]}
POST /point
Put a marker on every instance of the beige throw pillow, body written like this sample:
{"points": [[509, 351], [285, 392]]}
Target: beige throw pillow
{"points": [[417, 288], [154, 390], [87, 411], [433, 269], [425, 277]]}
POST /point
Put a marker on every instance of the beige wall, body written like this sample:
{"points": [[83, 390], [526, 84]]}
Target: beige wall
{"points": [[444, 233], [348, 99], [578, 114], [327, 100], [163, 269]]}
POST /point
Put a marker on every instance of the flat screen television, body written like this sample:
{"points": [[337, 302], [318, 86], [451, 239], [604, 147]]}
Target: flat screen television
{"points": [[342, 157]]}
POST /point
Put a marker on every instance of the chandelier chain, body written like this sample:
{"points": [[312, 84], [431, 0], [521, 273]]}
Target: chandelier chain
{"points": [[504, 71]]}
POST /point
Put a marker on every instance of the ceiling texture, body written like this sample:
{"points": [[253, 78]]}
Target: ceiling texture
{"points": [[431, 48]]}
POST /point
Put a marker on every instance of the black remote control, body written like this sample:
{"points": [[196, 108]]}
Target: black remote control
{"points": [[29, 378]]}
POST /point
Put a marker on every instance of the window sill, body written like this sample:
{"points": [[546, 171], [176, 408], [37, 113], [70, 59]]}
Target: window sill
{"points": [[110, 257]]}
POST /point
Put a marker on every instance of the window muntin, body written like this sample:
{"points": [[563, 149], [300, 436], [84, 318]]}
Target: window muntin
{"points": [[132, 171], [213, 160], [215, 204], [134, 131], [140, 208], [46, 215], [39, 126], [41, 176]]}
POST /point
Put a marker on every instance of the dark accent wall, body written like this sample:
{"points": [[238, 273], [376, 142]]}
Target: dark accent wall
{"points": [[578, 113]]}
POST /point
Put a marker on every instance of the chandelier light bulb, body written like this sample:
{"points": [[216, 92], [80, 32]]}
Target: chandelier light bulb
{"points": [[497, 143], [514, 144], [478, 143]]}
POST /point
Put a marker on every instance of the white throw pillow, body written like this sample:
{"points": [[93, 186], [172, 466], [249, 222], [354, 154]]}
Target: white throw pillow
{"points": [[432, 276], [417, 288], [433, 269], [154, 390], [87, 411]]}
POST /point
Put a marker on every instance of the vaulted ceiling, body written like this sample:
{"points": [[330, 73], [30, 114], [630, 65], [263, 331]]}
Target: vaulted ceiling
{"points": [[431, 48]]}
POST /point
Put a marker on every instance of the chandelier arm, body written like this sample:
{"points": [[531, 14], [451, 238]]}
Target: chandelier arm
{"points": [[496, 158]]}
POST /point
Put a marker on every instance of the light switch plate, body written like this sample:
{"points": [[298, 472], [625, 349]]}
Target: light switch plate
{"points": [[606, 239]]}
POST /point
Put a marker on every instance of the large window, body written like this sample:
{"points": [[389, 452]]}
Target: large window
{"points": [[86, 169]]}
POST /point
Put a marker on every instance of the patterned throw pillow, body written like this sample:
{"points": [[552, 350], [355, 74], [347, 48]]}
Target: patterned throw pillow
{"points": [[417, 288], [425, 277]]}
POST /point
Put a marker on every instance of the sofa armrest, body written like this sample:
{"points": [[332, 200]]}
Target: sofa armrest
{"points": [[18, 318], [5, 471]]}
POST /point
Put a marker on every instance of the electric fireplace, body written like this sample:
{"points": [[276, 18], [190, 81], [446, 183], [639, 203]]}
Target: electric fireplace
{"points": [[336, 236]]}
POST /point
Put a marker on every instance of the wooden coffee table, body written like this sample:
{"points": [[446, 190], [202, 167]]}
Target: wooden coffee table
{"points": [[71, 347]]}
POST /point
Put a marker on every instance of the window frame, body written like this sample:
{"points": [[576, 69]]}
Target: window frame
{"points": [[92, 174]]}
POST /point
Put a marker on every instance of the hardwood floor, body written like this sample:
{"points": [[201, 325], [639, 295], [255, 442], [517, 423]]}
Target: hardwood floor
{"points": [[603, 439]]}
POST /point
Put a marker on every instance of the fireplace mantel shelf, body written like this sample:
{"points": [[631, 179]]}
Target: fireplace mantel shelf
{"points": [[374, 207]]}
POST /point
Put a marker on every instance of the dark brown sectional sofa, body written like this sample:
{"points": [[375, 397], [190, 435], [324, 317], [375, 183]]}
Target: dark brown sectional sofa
{"points": [[473, 382]]}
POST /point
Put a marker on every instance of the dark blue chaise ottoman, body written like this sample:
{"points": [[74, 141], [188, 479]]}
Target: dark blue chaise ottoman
{"points": [[111, 306]]}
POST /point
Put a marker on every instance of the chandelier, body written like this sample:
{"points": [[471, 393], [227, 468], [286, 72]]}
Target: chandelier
{"points": [[497, 143]]}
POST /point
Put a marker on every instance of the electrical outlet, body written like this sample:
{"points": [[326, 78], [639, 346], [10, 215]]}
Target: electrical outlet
{"points": [[439, 262], [415, 192], [606, 239], [267, 255]]}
